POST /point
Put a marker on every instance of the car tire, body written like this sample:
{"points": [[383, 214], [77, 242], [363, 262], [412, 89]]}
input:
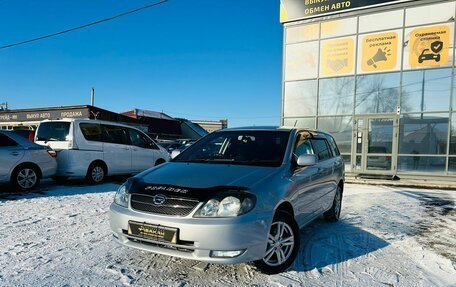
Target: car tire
{"points": [[278, 256], [96, 173], [333, 214], [25, 178]]}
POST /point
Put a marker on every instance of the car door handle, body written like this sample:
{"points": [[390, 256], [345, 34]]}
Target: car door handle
{"points": [[126, 148], [15, 153]]}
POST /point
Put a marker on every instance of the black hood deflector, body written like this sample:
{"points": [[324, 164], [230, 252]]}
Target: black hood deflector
{"points": [[138, 186]]}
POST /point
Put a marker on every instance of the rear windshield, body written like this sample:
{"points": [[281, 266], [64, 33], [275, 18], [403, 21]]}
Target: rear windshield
{"points": [[53, 131]]}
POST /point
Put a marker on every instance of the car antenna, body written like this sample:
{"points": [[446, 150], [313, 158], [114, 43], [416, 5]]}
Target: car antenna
{"points": [[296, 122]]}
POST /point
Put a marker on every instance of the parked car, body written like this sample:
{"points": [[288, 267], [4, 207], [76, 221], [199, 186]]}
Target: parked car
{"points": [[236, 195], [171, 145], [185, 141], [176, 145], [95, 149], [24, 163]]}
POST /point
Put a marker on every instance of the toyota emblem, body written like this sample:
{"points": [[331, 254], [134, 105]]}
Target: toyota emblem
{"points": [[159, 199]]}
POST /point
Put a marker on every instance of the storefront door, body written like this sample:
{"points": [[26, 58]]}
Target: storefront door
{"points": [[375, 144]]}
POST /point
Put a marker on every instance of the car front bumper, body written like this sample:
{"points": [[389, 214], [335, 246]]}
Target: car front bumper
{"points": [[198, 236]]}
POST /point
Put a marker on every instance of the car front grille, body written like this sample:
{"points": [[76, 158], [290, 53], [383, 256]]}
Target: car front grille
{"points": [[174, 206]]}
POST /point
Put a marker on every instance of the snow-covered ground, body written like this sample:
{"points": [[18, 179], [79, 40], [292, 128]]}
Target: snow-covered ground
{"points": [[386, 237]]}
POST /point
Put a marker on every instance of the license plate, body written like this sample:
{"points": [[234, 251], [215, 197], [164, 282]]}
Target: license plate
{"points": [[153, 232]]}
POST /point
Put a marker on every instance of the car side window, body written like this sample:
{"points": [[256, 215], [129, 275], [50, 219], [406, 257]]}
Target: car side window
{"points": [[322, 149], [303, 146], [140, 140], [151, 143], [91, 132], [115, 134], [6, 141], [137, 139], [333, 145]]}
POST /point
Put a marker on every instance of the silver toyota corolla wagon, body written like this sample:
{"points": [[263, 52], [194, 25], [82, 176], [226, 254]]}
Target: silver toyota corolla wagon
{"points": [[236, 195]]}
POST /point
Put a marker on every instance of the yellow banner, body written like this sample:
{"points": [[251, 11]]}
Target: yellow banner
{"points": [[429, 46], [337, 57], [379, 52]]}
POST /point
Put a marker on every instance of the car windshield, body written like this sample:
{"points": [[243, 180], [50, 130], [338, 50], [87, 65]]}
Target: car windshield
{"points": [[53, 131], [257, 148]]}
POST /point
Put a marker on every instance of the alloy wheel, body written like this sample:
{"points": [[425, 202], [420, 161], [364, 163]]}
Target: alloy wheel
{"points": [[26, 178], [97, 174], [281, 242]]}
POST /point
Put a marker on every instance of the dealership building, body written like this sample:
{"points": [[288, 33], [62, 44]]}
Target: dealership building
{"points": [[379, 76]]}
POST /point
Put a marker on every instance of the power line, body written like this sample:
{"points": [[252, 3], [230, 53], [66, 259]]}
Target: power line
{"points": [[85, 25]]}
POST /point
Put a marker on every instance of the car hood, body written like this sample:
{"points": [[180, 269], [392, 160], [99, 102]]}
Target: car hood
{"points": [[201, 175]]}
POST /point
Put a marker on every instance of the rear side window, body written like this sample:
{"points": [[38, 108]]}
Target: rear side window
{"points": [[53, 131], [321, 149], [91, 132], [115, 134], [6, 141], [23, 133], [333, 145]]}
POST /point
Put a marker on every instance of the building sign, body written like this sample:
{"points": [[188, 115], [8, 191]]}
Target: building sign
{"points": [[337, 57], [379, 52], [429, 46], [292, 10], [43, 115]]}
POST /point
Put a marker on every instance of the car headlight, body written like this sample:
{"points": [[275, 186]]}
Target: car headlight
{"points": [[122, 196], [227, 206]]}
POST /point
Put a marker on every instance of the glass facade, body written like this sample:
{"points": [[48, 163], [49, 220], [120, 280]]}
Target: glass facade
{"points": [[377, 93], [336, 96], [385, 90]]}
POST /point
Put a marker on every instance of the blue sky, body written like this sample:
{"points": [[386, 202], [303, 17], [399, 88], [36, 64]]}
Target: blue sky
{"points": [[195, 59]]}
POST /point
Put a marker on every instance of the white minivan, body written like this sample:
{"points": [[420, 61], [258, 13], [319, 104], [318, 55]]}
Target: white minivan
{"points": [[95, 149]]}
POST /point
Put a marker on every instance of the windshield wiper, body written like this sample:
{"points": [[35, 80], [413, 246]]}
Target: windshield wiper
{"points": [[51, 140]]}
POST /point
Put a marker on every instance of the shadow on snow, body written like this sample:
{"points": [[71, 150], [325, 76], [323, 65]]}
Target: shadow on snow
{"points": [[324, 244]]}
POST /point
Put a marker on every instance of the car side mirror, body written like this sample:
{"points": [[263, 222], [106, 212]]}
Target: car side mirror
{"points": [[175, 153], [307, 160]]}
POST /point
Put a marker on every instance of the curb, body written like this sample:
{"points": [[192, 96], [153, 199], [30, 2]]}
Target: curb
{"points": [[404, 183]]}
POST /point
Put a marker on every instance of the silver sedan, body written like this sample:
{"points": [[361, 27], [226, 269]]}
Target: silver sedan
{"points": [[24, 163], [236, 195]]}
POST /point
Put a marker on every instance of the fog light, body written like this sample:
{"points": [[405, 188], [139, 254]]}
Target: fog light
{"points": [[226, 254]]}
